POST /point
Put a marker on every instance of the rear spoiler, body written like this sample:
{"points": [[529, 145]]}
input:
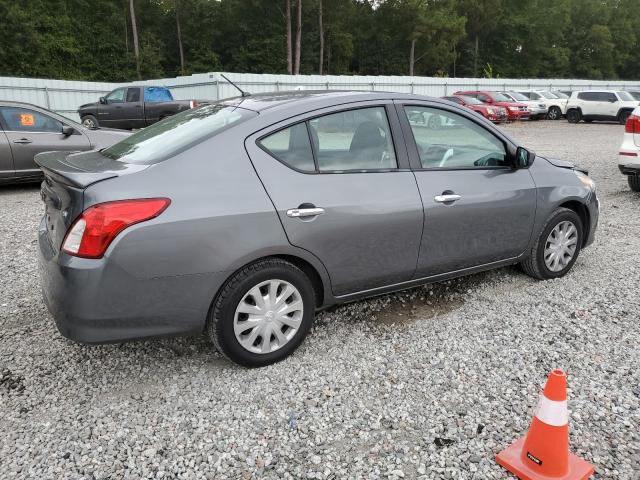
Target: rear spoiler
{"points": [[81, 169]]}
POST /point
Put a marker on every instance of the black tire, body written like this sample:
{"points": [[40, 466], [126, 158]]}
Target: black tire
{"points": [[220, 329], [554, 113], [588, 120], [89, 121], [574, 116], [634, 182], [623, 116], [534, 265]]}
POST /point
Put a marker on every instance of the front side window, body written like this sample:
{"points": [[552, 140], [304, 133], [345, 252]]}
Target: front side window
{"points": [[291, 146], [456, 143], [174, 134], [117, 96], [25, 120], [353, 140]]}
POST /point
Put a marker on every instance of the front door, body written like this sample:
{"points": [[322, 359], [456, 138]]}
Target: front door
{"points": [[478, 210], [344, 193], [112, 113], [30, 132]]}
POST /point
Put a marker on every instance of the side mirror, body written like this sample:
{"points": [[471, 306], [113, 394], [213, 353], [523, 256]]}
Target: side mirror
{"points": [[103, 100], [524, 158], [488, 100], [67, 130]]}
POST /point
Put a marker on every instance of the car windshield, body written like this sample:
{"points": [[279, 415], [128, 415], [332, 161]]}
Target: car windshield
{"points": [[625, 96], [471, 100], [560, 94], [177, 133], [517, 96], [548, 95], [499, 97]]}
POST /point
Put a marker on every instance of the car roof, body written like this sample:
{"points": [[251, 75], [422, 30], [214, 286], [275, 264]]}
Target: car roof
{"points": [[314, 98]]}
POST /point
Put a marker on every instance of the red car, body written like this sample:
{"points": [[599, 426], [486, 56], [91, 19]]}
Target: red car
{"points": [[490, 112], [515, 110]]}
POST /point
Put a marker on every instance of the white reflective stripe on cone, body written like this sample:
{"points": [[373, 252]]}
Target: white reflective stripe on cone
{"points": [[552, 412]]}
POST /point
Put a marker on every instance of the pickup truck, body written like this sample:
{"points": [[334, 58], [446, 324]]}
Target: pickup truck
{"points": [[132, 107]]}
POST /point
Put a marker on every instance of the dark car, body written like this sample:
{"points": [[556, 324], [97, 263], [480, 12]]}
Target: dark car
{"points": [[26, 130], [240, 219], [492, 113], [133, 107], [515, 110]]}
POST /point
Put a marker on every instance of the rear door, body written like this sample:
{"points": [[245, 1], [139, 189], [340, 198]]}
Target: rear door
{"points": [[478, 210], [6, 158], [30, 131], [342, 188]]}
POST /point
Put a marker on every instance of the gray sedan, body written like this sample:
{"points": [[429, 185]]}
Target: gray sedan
{"points": [[26, 130], [243, 218]]}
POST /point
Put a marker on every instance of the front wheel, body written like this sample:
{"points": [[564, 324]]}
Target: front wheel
{"points": [[554, 113], [573, 116], [623, 116], [90, 122], [262, 313], [557, 248]]}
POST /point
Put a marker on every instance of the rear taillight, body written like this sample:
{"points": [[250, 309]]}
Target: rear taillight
{"points": [[633, 124], [193, 103], [93, 231]]}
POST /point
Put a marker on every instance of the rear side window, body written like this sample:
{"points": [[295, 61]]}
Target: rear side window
{"points": [[157, 94], [291, 146], [25, 120], [177, 133], [133, 94], [590, 96]]}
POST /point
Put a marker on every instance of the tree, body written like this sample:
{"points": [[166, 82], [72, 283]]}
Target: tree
{"points": [[296, 69], [136, 45], [288, 20], [179, 35], [321, 29]]}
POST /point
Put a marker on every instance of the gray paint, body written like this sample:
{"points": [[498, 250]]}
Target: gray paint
{"points": [[380, 232]]}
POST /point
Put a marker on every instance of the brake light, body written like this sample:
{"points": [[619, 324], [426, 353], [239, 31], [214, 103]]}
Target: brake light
{"points": [[94, 230], [633, 124], [193, 103]]}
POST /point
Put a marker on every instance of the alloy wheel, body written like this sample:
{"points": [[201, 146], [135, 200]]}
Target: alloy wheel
{"points": [[268, 316], [560, 246]]}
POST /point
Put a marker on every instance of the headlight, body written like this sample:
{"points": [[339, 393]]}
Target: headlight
{"points": [[585, 180], [490, 110], [513, 109]]}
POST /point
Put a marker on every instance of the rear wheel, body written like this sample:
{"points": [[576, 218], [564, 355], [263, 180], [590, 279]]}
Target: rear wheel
{"points": [[554, 113], [558, 246], [89, 121], [263, 313], [623, 116], [573, 116], [634, 182]]}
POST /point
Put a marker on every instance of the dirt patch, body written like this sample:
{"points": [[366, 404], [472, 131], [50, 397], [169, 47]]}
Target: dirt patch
{"points": [[416, 310]]}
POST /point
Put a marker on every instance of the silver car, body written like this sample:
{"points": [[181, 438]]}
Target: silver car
{"points": [[241, 219], [26, 130]]}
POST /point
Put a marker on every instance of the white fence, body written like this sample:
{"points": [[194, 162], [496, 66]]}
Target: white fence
{"points": [[65, 97]]}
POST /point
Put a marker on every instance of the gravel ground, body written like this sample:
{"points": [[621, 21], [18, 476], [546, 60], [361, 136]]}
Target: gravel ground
{"points": [[428, 383]]}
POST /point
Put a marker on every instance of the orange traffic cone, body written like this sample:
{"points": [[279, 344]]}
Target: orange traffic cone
{"points": [[544, 452]]}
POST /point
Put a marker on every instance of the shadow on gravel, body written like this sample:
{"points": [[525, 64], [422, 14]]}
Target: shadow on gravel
{"points": [[12, 189]]}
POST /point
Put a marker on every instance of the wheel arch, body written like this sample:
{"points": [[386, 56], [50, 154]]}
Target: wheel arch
{"points": [[583, 213]]}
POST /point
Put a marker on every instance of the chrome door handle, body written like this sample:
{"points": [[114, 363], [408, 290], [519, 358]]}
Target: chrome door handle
{"points": [[23, 141], [304, 212], [447, 198]]}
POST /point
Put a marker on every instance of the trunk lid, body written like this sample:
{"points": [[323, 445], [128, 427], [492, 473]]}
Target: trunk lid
{"points": [[66, 177]]}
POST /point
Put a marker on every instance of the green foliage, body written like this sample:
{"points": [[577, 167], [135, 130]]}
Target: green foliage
{"points": [[92, 39]]}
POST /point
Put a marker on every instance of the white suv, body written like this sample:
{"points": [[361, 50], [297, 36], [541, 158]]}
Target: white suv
{"points": [[538, 110], [629, 153], [556, 105], [600, 105]]}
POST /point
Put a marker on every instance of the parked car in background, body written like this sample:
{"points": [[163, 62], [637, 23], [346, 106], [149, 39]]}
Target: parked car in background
{"points": [[26, 130], [635, 94], [133, 107], [559, 93], [242, 218], [515, 110], [556, 106], [629, 153], [604, 105], [493, 113], [537, 110]]}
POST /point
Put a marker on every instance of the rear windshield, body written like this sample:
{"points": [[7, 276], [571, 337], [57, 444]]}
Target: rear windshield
{"points": [[548, 95], [175, 134], [625, 96]]}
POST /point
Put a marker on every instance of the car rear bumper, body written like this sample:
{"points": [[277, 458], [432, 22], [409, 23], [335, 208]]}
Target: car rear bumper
{"points": [[94, 301]]}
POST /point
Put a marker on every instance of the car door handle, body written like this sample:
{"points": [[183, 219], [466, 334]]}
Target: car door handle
{"points": [[304, 212], [23, 141], [449, 198]]}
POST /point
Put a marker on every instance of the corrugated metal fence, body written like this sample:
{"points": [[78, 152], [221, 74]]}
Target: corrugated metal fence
{"points": [[65, 97]]}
